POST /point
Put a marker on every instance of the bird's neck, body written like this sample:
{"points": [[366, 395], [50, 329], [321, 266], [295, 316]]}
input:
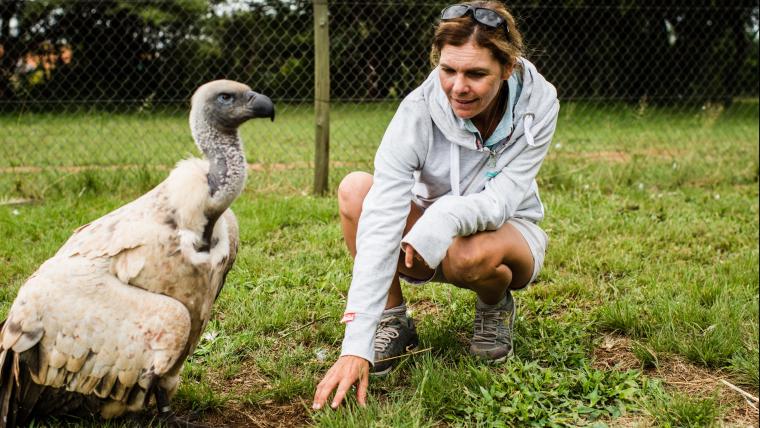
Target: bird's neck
{"points": [[227, 167]]}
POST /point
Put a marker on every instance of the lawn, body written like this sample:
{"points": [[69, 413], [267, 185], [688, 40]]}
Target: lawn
{"points": [[648, 299]]}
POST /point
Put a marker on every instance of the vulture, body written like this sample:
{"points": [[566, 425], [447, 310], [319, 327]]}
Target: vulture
{"points": [[104, 326]]}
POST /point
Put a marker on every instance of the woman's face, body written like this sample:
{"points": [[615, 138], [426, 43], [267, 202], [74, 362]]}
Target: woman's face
{"points": [[471, 78]]}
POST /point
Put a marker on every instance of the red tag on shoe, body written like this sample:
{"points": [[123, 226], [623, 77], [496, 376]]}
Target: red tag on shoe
{"points": [[348, 317]]}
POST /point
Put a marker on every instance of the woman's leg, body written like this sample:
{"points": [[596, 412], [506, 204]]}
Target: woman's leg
{"points": [[490, 263], [351, 193]]}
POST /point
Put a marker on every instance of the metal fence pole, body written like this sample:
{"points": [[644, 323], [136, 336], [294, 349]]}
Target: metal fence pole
{"points": [[321, 96]]}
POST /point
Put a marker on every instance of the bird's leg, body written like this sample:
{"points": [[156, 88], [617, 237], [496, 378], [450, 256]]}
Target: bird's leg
{"points": [[167, 416], [162, 402]]}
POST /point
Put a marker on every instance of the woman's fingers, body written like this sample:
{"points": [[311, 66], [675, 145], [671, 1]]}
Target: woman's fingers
{"points": [[361, 391], [324, 389], [343, 387], [409, 256], [343, 374]]}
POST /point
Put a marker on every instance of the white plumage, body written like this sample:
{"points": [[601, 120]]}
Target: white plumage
{"points": [[106, 324]]}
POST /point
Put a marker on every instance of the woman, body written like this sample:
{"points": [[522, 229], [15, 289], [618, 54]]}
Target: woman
{"points": [[453, 198]]}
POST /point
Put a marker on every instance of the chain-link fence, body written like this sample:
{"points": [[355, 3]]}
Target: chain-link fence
{"points": [[90, 88]]}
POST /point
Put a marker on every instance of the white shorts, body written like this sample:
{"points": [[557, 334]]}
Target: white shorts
{"points": [[537, 241]]}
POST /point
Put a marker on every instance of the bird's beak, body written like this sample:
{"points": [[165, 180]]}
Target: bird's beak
{"points": [[260, 105]]}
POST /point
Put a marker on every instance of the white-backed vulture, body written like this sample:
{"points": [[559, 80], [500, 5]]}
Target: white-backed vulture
{"points": [[104, 326]]}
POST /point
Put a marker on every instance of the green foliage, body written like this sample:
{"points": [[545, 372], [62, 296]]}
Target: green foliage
{"points": [[681, 410], [645, 355], [531, 395], [199, 396]]}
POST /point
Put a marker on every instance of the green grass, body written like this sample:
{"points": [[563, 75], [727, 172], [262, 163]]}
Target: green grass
{"points": [[652, 215], [680, 410]]}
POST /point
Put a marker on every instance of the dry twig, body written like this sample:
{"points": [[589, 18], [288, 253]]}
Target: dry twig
{"points": [[746, 394], [404, 355], [286, 333]]}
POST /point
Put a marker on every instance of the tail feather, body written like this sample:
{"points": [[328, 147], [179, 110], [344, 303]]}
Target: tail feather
{"points": [[28, 393], [8, 389], [22, 400]]}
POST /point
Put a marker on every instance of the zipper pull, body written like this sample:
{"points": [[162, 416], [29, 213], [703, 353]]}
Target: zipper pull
{"points": [[491, 158]]}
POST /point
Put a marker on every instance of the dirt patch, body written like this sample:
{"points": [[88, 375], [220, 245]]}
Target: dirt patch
{"points": [[605, 156], [619, 156], [630, 421], [259, 167], [268, 413], [265, 416], [248, 378], [423, 308], [615, 353]]}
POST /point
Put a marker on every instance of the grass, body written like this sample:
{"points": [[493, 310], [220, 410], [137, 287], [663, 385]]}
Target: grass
{"points": [[652, 214]]}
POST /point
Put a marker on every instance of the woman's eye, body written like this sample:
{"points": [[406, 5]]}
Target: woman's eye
{"points": [[225, 98]]}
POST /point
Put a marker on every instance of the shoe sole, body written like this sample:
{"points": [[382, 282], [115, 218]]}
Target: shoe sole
{"points": [[411, 347], [498, 360]]}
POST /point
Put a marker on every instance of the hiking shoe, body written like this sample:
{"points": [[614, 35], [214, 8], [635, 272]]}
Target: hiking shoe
{"points": [[395, 336], [492, 337]]}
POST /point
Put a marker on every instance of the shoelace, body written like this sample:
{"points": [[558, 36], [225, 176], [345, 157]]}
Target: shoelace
{"points": [[387, 331], [488, 325]]}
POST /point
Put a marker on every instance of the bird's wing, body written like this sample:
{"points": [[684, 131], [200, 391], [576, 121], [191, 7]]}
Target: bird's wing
{"points": [[90, 333], [156, 233], [127, 227]]}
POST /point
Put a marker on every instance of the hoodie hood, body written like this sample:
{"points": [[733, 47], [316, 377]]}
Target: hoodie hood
{"points": [[536, 100]]}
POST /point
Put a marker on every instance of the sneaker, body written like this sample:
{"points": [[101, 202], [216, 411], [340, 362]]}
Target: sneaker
{"points": [[395, 336], [492, 337]]}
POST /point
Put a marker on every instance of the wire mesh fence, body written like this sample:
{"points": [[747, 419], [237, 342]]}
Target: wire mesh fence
{"points": [[91, 88]]}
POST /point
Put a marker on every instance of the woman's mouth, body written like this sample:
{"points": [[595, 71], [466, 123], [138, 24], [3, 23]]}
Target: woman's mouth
{"points": [[463, 102]]}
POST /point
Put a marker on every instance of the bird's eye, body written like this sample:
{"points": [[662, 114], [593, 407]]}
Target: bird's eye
{"points": [[225, 98]]}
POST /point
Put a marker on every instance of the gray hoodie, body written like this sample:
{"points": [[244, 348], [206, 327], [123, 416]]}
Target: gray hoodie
{"points": [[427, 156]]}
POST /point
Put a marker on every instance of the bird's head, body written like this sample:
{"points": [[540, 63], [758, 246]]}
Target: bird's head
{"points": [[226, 104]]}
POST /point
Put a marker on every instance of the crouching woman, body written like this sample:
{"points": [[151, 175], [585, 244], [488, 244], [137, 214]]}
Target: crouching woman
{"points": [[453, 197]]}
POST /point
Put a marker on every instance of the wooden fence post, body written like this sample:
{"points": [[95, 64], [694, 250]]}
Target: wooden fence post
{"points": [[321, 96]]}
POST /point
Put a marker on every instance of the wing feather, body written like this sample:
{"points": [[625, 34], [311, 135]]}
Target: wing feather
{"points": [[79, 350]]}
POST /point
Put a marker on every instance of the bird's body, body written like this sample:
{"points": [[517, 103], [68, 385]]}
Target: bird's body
{"points": [[106, 324]]}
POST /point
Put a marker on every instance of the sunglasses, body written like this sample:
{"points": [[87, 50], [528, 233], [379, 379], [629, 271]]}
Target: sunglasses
{"points": [[481, 15]]}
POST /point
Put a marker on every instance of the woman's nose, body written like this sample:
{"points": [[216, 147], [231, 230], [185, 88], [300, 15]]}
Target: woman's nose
{"points": [[460, 84]]}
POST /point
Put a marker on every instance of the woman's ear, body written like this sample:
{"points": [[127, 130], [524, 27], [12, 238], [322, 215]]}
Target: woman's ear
{"points": [[507, 71]]}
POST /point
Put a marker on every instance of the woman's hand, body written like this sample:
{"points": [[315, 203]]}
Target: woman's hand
{"points": [[343, 374], [410, 256]]}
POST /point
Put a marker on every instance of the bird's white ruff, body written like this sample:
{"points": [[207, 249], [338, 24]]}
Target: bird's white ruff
{"points": [[191, 205]]}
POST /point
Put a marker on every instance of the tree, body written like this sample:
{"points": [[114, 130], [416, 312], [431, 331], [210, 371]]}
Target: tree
{"points": [[115, 48], [137, 50]]}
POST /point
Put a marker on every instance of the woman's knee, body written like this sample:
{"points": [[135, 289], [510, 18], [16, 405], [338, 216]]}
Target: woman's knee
{"points": [[351, 192], [466, 263]]}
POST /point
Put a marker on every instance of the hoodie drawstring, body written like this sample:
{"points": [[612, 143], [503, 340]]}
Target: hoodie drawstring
{"points": [[454, 171], [527, 124]]}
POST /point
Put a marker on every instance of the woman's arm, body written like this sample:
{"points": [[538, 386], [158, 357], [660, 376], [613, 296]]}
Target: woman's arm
{"points": [[384, 214]]}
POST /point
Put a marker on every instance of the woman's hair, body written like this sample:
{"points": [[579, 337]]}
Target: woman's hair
{"points": [[506, 48]]}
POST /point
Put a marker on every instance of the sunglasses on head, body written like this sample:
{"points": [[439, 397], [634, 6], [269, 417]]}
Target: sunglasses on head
{"points": [[481, 15]]}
